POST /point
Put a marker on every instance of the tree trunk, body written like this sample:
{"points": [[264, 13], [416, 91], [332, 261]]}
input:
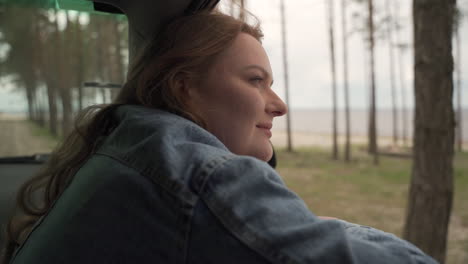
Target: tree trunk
{"points": [[431, 191], [117, 71], [459, 121], [120, 70], [242, 10], [101, 56], [373, 148], [30, 98], [31, 77], [40, 103], [331, 20], [404, 107], [392, 74], [63, 77], [47, 72], [286, 76], [231, 7], [52, 99], [346, 82], [365, 68], [80, 67], [35, 62]]}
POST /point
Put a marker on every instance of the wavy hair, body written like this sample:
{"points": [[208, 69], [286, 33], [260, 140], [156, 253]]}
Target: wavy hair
{"points": [[184, 48]]}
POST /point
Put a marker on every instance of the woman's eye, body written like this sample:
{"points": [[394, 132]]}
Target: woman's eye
{"points": [[257, 79]]}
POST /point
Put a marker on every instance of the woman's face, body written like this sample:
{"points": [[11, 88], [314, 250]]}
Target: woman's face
{"points": [[236, 101]]}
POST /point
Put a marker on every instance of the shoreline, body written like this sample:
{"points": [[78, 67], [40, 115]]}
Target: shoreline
{"points": [[300, 138], [303, 139], [311, 139]]}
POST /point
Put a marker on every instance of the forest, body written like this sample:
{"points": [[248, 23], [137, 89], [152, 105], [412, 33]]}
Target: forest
{"points": [[65, 59], [52, 61]]}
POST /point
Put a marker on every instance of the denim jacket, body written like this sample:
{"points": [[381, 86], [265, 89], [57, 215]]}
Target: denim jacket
{"points": [[161, 189]]}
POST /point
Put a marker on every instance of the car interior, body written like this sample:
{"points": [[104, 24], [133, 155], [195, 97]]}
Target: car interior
{"points": [[144, 18]]}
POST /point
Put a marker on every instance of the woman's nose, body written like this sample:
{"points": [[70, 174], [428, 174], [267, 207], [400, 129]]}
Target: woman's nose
{"points": [[275, 106]]}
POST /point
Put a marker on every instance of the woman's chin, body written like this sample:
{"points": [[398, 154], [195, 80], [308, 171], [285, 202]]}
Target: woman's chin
{"points": [[264, 154], [261, 151]]}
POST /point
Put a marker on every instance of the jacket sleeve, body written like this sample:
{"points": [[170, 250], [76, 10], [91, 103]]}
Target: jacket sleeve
{"points": [[253, 204]]}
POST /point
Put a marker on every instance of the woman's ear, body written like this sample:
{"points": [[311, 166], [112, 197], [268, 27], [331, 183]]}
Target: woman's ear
{"points": [[180, 85], [185, 89]]}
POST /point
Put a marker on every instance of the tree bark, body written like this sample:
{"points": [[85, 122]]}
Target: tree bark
{"points": [[346, 82], [373, 148], [331, 31], [431, 191]]}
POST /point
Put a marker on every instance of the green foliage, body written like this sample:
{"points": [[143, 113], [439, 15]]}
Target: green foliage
{"points": [[60, 50], [30, 3], [75, 5]]}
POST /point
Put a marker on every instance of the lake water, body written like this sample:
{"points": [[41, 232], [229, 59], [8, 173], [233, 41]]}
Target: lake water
{"points": [[319, 121]]}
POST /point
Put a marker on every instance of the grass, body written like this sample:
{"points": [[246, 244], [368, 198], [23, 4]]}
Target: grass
{"points": [[370, 195], [44, 133]]}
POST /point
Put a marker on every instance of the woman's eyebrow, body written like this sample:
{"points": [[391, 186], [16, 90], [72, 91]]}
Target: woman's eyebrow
{"points": [[258, 67]]}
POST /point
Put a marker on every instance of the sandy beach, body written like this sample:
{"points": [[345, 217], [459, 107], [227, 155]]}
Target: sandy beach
{"points": [[313, 127], [307, 139]]}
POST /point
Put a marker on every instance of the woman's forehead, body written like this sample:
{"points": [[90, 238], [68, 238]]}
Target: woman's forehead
{"points": [[245, 51]]}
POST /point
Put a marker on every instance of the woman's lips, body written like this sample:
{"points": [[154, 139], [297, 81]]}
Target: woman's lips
{"points": [[266, 128]]}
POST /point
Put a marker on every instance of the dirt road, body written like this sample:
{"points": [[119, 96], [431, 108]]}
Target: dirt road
{"points": [[20, 138]]}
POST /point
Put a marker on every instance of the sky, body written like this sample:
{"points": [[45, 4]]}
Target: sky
{"points": [[309, 55]]}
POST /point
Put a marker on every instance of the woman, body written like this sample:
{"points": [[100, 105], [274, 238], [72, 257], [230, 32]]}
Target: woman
{"points": [[174, 171]]}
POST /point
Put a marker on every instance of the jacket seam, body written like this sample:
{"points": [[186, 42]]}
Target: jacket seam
{"points": [[235, 227], [128, 164], [181, 202], [209, 168]]}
